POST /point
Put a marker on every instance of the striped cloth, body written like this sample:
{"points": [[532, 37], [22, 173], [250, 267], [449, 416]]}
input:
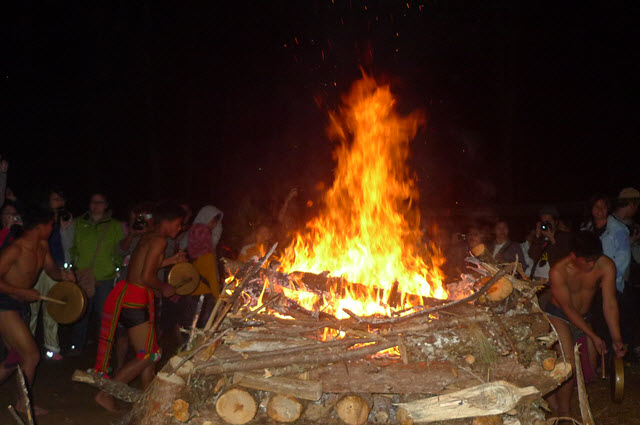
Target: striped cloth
{"points": [[125, 295]]}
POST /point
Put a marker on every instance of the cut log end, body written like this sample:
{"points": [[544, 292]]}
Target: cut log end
{"points": [[283, 408], [478, 250], [180, 410], [549, 363], [236, 406], [353, 410], [185, 369], [403, 417], [500, 290]]}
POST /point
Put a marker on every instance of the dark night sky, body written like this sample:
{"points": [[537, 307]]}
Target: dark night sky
{"points": [[217, 102]]}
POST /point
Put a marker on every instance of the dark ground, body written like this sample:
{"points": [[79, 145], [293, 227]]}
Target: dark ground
{"points": [[72, 403]]}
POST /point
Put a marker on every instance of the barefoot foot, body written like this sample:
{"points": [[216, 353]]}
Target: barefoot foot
{"points": [[106, 401]]}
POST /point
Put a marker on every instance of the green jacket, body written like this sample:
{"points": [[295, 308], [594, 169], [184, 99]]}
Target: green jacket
{"points": [[85, 240]]}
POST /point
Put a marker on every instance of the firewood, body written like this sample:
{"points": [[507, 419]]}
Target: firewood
{"points": [[488, 420], [316, 411], [427, 311], [181, 367], [561, 371], [304, 389], [180, 410], [381, 408], [500, 290], [157, 401], [383, 377], [403, 418], [486, 399], [236, 406], [26, 400], [549, 363], [583, 398], [319, 356], [117, 389], [478, 250], [353, 410], [283, 408]]}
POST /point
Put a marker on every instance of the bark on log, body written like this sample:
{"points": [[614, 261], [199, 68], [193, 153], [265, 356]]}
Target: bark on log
{"points": [[236, 406], [403, 417], [487, 399], [306, 390], [283, 408], [157, 401], [317, 411], [384, 377], [381, 408], [117, 389], [353, 410], [488, 420], [318, 356]]}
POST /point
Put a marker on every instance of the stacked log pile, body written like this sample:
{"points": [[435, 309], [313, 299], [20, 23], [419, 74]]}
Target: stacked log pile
{"points": [[486, 355]]}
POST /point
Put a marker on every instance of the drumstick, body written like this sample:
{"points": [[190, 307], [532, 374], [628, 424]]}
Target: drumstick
{"points": [[52, 300], [602, 361]]}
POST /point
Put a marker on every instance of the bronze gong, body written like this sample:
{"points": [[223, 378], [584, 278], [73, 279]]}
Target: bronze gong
{"points": [[184, 277], [75, 302], [616, 377]]}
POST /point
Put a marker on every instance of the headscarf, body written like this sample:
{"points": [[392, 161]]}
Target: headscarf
{"points": [[204, 216]]}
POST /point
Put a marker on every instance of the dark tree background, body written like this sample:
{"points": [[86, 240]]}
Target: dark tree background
{"points": [[226, 102]]}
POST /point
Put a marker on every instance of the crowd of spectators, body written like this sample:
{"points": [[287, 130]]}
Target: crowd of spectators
{"points": [[610, 218], [98, 248]]}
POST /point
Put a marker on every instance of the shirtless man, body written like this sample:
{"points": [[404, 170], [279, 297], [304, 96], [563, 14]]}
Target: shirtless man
{"points": [[574, 282], [130, 304], [20, 265]]}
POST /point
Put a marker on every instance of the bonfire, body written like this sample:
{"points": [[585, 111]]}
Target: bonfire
{"points": [[352, 322]]}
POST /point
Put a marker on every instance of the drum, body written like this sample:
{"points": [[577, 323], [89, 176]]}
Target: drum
{"points": [[184, 277], [75, 302]]}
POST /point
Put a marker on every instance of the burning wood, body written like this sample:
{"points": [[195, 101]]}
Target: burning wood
{"points": [[306, 359]]}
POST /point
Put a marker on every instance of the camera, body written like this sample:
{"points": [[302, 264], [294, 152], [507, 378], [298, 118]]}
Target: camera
{"points": [[545, 226], [462, 237], [140, 223], [64, 215]]}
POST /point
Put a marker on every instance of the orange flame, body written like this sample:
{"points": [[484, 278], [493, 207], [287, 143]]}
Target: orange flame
{"points": [[368, 230]]}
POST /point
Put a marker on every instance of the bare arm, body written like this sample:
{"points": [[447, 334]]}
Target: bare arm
{"points": [[610, 303], [8, 259], [50, 267]]}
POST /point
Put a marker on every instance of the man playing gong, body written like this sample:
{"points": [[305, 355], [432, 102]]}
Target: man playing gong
{"points": [[130, 304], [574, 282], [20, 265]]}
